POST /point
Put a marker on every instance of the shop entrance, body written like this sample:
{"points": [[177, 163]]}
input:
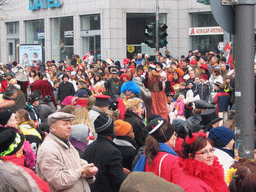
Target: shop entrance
{"points": [[11, 49], [92, 44]]}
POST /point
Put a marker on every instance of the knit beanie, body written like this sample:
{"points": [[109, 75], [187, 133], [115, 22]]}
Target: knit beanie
{"points": [[80, 132], [104, 125], [122, 127], [5, 116], [10, 141], [221, 136]]}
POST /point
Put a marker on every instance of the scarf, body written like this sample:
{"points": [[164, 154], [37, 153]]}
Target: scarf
{"points": [[140, 166], [213, 175], [78, 144]]}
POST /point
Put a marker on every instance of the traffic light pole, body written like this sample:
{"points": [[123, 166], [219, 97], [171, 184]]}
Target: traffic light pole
{"points": [[244, 83], [157, 26]]}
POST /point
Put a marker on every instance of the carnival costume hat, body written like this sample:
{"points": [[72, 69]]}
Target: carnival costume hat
{"points": [[131, 86], [102, 100], [209, 117]]}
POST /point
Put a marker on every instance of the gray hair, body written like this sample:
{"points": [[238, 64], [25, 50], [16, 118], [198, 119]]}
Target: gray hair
{"points": [[13, 178]]}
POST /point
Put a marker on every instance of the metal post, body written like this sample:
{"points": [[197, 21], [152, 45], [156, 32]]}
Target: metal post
{"points": [[157, 26], [244, 90]]}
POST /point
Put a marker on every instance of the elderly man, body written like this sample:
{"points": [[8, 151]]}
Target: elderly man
{"points": [[58, 162]]}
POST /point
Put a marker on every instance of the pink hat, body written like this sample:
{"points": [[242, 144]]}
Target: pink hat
{"points": [[204, 66]]}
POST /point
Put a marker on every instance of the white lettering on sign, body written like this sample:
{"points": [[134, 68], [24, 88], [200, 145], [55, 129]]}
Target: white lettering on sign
{"points": [[68, 34], [40, 35], [205, 31]]}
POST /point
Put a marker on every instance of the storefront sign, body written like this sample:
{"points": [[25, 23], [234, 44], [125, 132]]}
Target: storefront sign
{"points": [[206, 31], [44, 4], [68, 34], [40, 35], [130, 48]]}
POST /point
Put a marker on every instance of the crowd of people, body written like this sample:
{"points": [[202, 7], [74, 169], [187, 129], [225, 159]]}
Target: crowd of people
{"points": [[135, 125]]}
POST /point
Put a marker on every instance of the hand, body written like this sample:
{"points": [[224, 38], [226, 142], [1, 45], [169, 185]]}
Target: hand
{"points": [[89, 170], [127, 171]]}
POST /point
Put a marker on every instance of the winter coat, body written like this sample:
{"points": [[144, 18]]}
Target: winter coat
{"points": [[33, 113], [204, 90], [113, 87], [224, 158], [44, 111], [64, 90], [108, 159], [127, 146], [138, 127], [60, 166], [222, 100], [199, 177], [19, 161]]}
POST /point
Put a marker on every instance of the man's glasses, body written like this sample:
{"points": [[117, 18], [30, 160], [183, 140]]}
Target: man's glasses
{"points": [[206, 152]]}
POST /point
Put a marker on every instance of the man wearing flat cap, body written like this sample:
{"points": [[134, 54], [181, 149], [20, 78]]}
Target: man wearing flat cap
{"points": [[58, 162]]}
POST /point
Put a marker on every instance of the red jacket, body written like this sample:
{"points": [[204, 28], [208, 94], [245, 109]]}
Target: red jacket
{"points": [[199, 177], [42, 185], [169, 168]]}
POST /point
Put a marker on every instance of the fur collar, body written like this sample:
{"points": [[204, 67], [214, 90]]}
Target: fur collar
{"points": [[211, 175]]}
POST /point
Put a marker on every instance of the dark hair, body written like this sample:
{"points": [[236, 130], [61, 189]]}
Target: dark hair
{"points": [[162, 135], [10, 90], [189, 150], [68, 109], [246, 176], [38, 92], [217, 71]]}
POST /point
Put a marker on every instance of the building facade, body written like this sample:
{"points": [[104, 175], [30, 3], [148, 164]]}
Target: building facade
{"points": [[105, 28]]}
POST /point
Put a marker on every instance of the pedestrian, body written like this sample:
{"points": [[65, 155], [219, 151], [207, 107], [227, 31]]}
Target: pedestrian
{"points": [[58, 162], [104, 154]]}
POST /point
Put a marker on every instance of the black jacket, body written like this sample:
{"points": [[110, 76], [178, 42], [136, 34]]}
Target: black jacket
{"points": [[138, 127], [65, 90], [108, 159], [128, 148]]}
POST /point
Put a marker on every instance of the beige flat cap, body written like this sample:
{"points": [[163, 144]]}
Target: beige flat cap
{"points": [[60, 116]]}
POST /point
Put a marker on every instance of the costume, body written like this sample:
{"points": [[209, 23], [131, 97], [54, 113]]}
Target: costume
{"points": [[138, 127], [199, 177], [45, 87], [43, 186], [159, 99], [60, 166], [113, 87], [31, 135], [108, 159]]}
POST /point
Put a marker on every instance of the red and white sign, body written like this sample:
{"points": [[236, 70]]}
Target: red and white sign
{"points": [[206, 31]]}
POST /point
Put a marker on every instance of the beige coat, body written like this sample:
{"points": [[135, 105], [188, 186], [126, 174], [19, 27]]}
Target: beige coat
{"points": [[60, 166]]}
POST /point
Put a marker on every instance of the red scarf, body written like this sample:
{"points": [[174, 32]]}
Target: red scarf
{"points": [[213, 175]]}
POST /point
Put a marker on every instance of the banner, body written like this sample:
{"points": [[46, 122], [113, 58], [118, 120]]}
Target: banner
{"points": [[30, 54]]}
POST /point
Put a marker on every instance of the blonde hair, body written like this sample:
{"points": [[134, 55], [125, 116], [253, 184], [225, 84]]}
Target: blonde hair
{"points": [[23, 114], [133, 103], [82, 116]]}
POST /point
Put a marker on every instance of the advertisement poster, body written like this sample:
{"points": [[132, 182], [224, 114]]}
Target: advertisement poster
{"points": [[30, 54]]}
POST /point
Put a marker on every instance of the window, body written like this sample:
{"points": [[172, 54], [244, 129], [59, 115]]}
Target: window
{"points": [[203, 20], [90, 22], [12, 28]]}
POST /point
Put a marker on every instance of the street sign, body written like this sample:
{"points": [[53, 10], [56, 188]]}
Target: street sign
{"points": [[224, 15], [130, 48]]}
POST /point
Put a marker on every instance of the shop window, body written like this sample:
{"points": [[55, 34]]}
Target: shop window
{"points": [[203, 20], [35, 33], [62, 38], [90, 22], [12, 28]]}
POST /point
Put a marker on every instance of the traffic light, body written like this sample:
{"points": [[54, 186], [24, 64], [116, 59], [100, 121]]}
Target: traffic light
{"points": [[162, 35], [150, 35]]}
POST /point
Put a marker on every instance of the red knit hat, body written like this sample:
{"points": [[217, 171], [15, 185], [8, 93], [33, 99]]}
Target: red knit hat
{"points": [[124, 75], [204, 66], [204, 76]]}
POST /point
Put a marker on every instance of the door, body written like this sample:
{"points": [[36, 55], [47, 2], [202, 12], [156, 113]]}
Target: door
{"points": [[92, 44], [11, 49]]}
